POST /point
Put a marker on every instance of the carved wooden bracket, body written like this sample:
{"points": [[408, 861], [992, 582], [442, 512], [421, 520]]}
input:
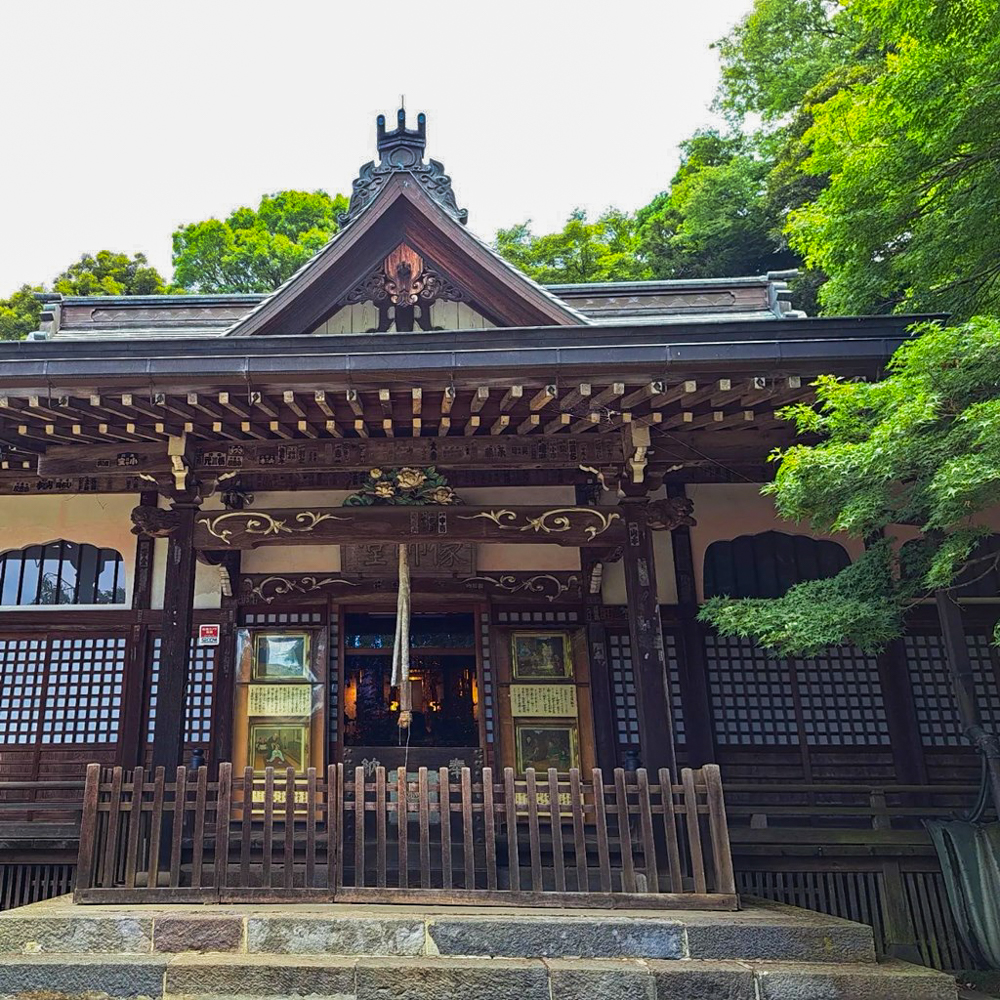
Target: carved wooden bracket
{"points": [[153, 522], [669, 513]]}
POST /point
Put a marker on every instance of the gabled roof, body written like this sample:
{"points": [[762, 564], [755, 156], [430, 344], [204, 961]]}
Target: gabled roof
{"points": [[403, 212]]}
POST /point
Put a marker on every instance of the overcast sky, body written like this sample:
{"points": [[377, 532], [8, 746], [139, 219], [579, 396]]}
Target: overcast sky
{"points": [[122, 120]]}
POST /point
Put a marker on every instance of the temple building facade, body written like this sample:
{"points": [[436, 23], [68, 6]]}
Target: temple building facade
{"points": [[203, 500]]}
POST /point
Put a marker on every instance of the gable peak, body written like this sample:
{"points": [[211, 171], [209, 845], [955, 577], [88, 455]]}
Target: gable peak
{"points": [[402, 151]]}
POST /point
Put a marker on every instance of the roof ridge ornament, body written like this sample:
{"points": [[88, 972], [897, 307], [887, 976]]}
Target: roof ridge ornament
{"points": [[402, 151]]}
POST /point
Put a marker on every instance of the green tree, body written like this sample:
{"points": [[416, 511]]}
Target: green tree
{"points": [[920, 448], [912, 153], [582, 251], [255, 250], [716, 220], [19, 314], [109, 273]]}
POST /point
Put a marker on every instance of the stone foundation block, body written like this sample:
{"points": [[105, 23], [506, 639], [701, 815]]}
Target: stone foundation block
{"points": [[557, 937], [441, 979], [891, 981], [306, 935], [698, 980], [573, 979], [81, 977], [194, 933], [83, 934], [221, 977]]}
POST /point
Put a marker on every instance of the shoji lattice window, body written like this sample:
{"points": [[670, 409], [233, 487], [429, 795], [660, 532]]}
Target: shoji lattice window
{"points": [[61, 690], [933, 695], [22, 667], [751, 693], [83, 695], [334, 713], [200, 694], [623, 688], [487, 660], [841, 698], [754, 697], [623, 694], [61, 573], [284, 618], [541, 616]]}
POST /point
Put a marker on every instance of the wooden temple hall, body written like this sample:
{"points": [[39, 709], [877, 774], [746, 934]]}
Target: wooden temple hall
{"points": [[253, 534]]}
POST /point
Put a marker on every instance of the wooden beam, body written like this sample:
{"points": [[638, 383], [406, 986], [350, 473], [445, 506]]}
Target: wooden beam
{"points": [[387, 427], [226, 402], [558, 524], [332, 429], [259, 401], [543, 397], [288, 397], [575, 396], [558, 423], [479, 399], [511, 396], [416, 400], [500, 424], [447, 400], [361, 428], [385, 401], [649, 390], [444, 425], [471, 425], [608, 395], [355, 402], [319, 397]]}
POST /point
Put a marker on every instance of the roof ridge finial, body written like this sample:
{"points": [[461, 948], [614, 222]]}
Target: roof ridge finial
{"points": [[402, 147]]}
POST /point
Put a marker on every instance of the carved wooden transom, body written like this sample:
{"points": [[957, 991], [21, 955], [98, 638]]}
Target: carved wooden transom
{"points": [[403, 288]]}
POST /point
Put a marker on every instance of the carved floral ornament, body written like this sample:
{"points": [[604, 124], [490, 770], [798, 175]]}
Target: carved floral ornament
{"points": [[222, 526], [591, 520], [405, 487]]}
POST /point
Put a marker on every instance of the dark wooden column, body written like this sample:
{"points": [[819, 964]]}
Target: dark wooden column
{"points": [[133, 717], [175, 646], [652, 685], [225, 666], [601, 694], [901, 716], [700, 738]]}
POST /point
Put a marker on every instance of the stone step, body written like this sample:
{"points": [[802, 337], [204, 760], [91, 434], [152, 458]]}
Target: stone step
{"points": [[759, 932], [213, 976]]}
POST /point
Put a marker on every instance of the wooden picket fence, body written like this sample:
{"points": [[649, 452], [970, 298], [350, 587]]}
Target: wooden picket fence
{"points": [[545, 839]]}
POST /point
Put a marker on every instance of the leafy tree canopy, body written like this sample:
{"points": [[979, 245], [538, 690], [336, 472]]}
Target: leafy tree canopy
{"points": [[716, 220], [19, 314], [912, 153], [603, 250], [921, 447], [109, 273], [255, 250]]}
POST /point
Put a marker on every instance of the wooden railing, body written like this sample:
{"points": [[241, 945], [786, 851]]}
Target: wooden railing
{"points": [[548, 839], [40, 810]]}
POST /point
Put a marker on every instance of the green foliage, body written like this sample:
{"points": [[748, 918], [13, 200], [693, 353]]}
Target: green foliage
{"points": [[603, 250], [717, 219], [255, 250], [109, 273], [779, 52], [921, 447], [19, 315], [913, 156]]}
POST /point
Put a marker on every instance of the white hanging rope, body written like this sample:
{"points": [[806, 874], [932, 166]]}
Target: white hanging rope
{"points": [[401, 642]]}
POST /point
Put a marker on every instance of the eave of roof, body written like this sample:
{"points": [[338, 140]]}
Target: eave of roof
{"points": [[861, 342]]}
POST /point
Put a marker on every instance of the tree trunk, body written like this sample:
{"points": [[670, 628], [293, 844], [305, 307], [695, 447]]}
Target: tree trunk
{"points": [[964, 682]]}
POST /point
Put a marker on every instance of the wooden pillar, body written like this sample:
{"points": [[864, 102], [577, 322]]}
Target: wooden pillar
{"points": [[697, 704], [602, 696], [964, 682], [904, 733], [133, 717], [175, 645], [652, 684], [225, 667]]}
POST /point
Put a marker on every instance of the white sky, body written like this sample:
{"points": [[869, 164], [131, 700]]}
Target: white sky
{"points": [[121, 120]]}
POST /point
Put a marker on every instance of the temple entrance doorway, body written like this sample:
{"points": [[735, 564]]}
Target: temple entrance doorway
{"points": [[445, 692]]}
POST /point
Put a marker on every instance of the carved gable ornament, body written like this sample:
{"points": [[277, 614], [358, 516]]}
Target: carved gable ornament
{"points": [[407, 487]]}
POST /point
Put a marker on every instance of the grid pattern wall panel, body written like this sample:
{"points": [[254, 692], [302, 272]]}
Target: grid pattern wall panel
{"points": [[841, 698], [22, 664], [540, 616], [200, 692], [933, 696], [623, 688], [83, 695], [487, 661], [284, 618], [752, 700], [674, 674], [334, 675]]}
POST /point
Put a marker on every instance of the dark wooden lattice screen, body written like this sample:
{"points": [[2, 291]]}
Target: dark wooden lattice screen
{"points": [[933, 695], [200, 695], [834, 699]]}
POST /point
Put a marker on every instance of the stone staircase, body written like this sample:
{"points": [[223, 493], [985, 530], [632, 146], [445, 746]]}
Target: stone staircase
{"points": [[57, 951]]}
